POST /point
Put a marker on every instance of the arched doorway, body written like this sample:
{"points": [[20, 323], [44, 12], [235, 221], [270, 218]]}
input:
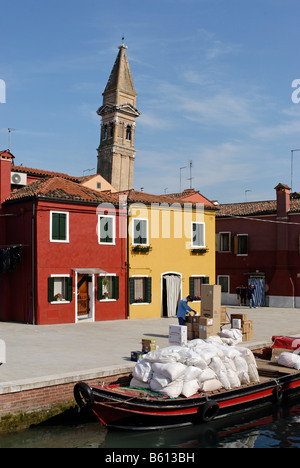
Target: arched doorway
{"points": [[171, 293]]}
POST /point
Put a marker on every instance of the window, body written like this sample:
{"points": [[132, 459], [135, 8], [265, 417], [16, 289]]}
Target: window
{"points": [[195, 286], [106, 229], [224, 282], [198, 235], [59, 226], [225, 241], [104, 132], [140, 231], [128, 132], [108, 287], [60, 289], [140, 290], [241, 244]]}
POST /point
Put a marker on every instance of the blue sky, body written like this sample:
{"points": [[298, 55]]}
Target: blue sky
{"points": [[213, 77]]}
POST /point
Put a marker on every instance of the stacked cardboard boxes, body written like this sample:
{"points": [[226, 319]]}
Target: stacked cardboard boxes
{"points": [[148, 344], [192, 323], [241, 322], [210, 320]]}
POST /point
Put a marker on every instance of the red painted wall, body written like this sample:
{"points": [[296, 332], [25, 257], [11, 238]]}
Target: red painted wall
{"points": [[273, 249], [83, 251]]}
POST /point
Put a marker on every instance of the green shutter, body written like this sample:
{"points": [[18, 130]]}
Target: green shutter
{"points": [[148, 284], [50, 289], [192, 286], [69, 289], [99, 288], [55, 226], [59, 226], [131, 290], [206, 280], [115, 287], [62, 226]]}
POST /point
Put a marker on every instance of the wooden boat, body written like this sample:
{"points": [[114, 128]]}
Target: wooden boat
{"points": [[138, 409]]}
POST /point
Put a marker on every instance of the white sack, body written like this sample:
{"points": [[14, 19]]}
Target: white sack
{"points": [[196, 360], [247, 354], [192, 373], [160, 380], [172, 371], [190, 388], [207, 374], [290, 360], [233, 378], [137, 383], [142, 371], [253, 373], [210, 385], [174, 389], [223, 378], [216, 364]]}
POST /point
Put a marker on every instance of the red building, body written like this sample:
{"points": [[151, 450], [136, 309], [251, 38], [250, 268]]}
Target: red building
{"points": [[258, 242], [62, 259]]}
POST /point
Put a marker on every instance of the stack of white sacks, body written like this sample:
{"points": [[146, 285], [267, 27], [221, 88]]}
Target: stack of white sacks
{"points": [[200, 366]]}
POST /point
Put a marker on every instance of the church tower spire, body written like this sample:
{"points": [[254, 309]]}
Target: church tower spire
{"points": [[116, 152]]}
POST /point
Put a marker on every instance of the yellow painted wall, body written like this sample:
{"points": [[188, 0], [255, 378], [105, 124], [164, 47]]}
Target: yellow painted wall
{"points": [[170, 242]]}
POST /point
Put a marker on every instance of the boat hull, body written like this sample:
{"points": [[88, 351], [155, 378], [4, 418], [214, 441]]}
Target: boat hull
{"points": [[126, 408]]}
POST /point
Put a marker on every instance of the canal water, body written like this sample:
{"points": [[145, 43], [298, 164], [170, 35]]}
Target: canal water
{"points": [[278, 427]]}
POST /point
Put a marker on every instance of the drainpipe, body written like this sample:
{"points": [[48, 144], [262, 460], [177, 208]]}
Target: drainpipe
{"points": [[127, 259], [293, 291], [33, 259]]}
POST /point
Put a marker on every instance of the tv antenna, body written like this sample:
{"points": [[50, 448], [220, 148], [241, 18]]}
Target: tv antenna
{"points": [[191, 178], [9, 137]]}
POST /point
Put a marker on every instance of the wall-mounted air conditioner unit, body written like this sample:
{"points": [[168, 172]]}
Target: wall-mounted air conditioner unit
{"points": [[18, 178]]}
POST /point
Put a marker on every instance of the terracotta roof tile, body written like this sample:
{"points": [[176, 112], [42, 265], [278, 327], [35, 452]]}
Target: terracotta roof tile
{"points": [[62, 189], [135, 196], [259, 208], [43, 173]]}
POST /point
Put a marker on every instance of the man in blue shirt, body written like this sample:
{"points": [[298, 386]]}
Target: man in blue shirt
{"points": [[183, 309]]}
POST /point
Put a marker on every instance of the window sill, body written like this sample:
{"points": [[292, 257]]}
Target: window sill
{"points": [[107, 300], [140, 303], [60, 302], [60, 241]]}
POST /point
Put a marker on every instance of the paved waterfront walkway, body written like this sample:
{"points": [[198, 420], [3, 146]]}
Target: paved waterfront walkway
{"points": [[37, 353]]}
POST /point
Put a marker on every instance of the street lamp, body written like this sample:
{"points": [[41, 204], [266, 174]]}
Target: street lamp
{"points": [[292, 156]]}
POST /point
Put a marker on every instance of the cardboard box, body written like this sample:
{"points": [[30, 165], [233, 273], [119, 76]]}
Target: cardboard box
{"points": [[211, 301], [208, 327], [148, 344], [223, 314], [241, 317], [178, 335], [247, 330], [135, 355]]}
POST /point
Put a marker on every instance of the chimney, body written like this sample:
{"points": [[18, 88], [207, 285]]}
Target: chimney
{"points": [[283, 200], [6, 159]]}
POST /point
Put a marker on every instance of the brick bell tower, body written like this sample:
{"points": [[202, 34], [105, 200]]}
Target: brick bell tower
{"points": [[116, 152]]}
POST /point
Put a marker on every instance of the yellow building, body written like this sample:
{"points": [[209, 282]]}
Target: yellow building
{"points": [[170, 249]]}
